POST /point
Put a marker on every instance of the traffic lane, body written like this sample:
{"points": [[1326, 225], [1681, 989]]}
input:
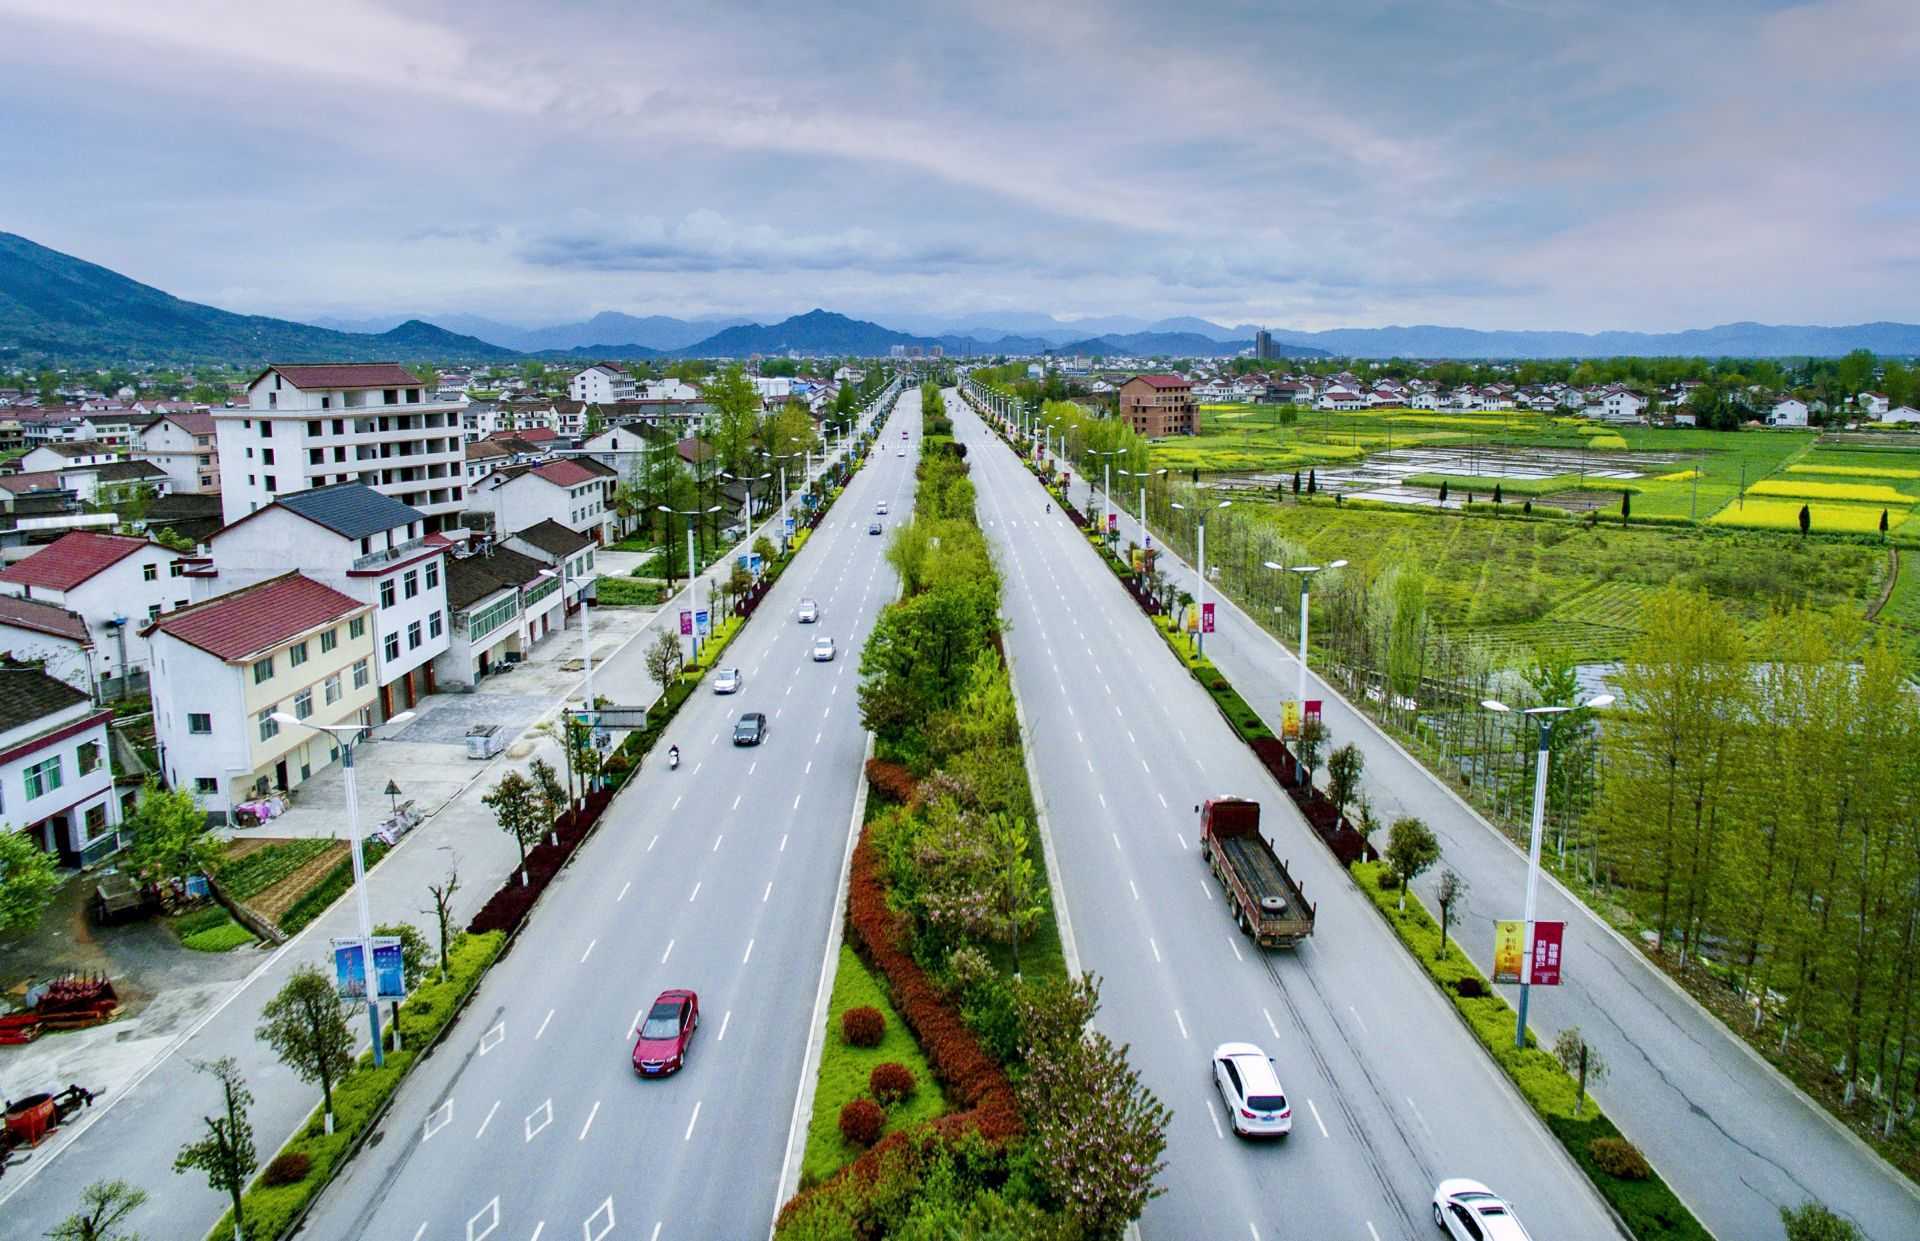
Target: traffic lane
{"points": [[601, 1001], [1676, 1096], [1409, 1122], [1170, 988]]}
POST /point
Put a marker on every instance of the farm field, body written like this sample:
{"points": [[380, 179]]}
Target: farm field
{"points": [[1576, 590]]}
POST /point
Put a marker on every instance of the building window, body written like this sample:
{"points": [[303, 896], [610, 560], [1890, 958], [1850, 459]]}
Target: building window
{"points": [[153, 611], [297, 654], [359, 674], [433, 625], [206, 785], [263, 670], [43, 777], [357, 627], [176, 569], [269, 727], [149, 572], [87, 754], [199, 723], [412, 583], [413, 636], [266, 456], [267, 481], [393, 646], [329, 640], [433, 575], [332, 687], [386, 593], [303, 704]]}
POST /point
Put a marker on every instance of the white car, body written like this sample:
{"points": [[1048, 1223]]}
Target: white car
{"points": [[901, 453], [726, 680], [1256, 1105], [881, 508], [1469, 1211], [808, 612], [822, 649]]}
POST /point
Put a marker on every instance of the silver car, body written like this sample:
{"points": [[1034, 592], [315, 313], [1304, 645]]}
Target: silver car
{"points": [[808, 612], [1469, 1211], [1256, 1105], [822, 649], [726, 680]]}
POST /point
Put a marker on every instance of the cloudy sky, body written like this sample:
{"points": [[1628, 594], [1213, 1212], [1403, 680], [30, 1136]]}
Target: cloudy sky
{"points": [[1576, 164]]}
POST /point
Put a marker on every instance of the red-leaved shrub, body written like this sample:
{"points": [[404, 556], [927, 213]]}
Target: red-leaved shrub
{"points": [[289, 1168], [863, 1027], [891, 1083], [861, 1121], [892, 781]]}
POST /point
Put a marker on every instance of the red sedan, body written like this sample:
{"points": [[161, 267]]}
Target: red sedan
{"points": [[666, 1033]]}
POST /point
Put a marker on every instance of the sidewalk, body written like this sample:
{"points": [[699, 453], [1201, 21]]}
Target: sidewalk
{"points": [[1730, 1134], [145, 1114]]}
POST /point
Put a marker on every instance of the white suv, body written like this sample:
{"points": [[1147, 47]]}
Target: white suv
{"points": [[1256, 1105]]}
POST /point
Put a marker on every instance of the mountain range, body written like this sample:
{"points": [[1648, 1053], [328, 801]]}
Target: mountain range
{"points": [[56, 308]]}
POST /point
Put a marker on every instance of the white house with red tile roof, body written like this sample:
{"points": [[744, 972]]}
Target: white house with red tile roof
{"points": [[116, 582], [365, 422], [32, 632], [182, 444], [222, 668], [575, 492], [56, 769]]}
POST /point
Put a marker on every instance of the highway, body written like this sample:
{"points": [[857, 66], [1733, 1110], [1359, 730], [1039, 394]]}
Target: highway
{"points": [[720, 877], [1390, 1092]]}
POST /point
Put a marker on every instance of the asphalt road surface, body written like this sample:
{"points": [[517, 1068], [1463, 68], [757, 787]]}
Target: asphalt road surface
{"points": [[719, 877], [1390, 1092]]}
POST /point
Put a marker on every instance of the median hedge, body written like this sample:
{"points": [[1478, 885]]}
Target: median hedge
{"points": [[271, 1209], [1649, 1208]]}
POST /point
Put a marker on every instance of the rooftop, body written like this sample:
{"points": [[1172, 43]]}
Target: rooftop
{"points": [[48, 618], [353, 510], [258, 617], [565, 473], [72, 559], [472, 578], [553, 538], [80, 448], [28, 694], [305, 375]]}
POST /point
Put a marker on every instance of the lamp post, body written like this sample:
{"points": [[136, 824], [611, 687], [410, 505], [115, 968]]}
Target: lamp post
{"points": [[1306, 572], [783, 458], [692, 572], [348, 735], [1546, 718], [1200, 568], [1106, 483]]}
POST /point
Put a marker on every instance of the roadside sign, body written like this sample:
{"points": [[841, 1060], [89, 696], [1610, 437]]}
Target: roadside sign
{"points": [[686, 622], [350, 974], [1148, 538], [1509, 949], [789, 525], [1113, 523], [1313, 709], [1546, 953], [1290, 718], [700, 621], [1206, 618]]}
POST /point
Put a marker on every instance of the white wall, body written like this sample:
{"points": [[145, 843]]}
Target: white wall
{"points": [[63, 658], [76, 792]]}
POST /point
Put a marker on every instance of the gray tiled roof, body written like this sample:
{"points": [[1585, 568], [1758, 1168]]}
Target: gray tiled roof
{"points": [[27, 694], [351, 509]]}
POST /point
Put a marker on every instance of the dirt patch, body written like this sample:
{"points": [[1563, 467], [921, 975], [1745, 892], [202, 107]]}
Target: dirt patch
{"points": [[281, 897], [239, 848]]}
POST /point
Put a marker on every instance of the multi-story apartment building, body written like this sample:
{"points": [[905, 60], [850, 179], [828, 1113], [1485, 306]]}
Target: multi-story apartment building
{"points": [[600, 382], [182, 445], [223, 668], [311, 425], [1158, 405], [367, 546]]}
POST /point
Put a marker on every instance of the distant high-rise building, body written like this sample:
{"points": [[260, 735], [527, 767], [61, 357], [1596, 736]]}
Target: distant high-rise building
{"points": [[1263, 344], [897, 351]]}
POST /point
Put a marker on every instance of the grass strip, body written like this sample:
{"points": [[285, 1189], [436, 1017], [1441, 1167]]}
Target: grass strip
{"points": [[271, 1209], [1648, 1206]]}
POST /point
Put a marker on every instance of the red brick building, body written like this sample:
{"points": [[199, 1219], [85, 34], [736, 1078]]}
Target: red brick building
{"points": [[1158, 405]]}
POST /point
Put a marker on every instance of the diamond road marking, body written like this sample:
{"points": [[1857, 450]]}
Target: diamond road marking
{"points": [[586, 1225], [492, 1212], [491, 1039], [545, 1112], [438, 1119]]}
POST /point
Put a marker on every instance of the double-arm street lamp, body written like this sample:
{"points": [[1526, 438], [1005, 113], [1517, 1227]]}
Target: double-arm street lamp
{"points": [[1143, 476], [783, 458], [1200, 513], [1546, 718], [1106, 483], [1306, 572], [693, 570], [348, 736]]}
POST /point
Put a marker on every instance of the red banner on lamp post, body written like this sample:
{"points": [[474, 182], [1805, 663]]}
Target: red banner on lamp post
{"points": [[686, 623], [1546, 953], [1206, 618]]}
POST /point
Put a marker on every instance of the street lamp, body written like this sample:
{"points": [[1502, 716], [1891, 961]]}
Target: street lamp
{"points": [[783, 458], [692, 571], [1106, 483], [1306, 572], [1545, 717], [1143, 476], [348, 735], [1200, 567]]}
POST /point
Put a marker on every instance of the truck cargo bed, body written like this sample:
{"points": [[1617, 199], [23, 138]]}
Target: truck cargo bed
{"points": [[1255, 864]]}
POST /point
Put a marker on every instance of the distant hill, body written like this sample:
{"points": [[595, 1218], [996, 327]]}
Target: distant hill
{"points": [[588, 354], [57, 308], [816, 332], [1176, 345], [1729, 340]]}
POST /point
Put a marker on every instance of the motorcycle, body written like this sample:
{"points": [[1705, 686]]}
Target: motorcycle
{"points": [[673, 759]]}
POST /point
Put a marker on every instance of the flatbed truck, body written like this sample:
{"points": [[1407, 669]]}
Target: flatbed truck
{"points": [[1268, 904]]}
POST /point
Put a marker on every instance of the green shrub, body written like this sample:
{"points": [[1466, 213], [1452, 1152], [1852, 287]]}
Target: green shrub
{"points": [[201, 920], [1619, 1158], [223, 937]]}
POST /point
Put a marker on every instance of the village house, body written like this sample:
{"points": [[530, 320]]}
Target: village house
{"points": [[603, 381], [1158, 405], [50, 636], [224, 668], [503, 602], [576, 492], [1790, 412], [181, 444], [116, 582], [56, 770]]}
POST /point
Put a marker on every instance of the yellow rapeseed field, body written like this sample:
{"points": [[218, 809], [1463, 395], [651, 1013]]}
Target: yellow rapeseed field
{"points": [[1822, 518], [1855, 471], [1864, 493], [1684, 476], [1607, 441]]}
